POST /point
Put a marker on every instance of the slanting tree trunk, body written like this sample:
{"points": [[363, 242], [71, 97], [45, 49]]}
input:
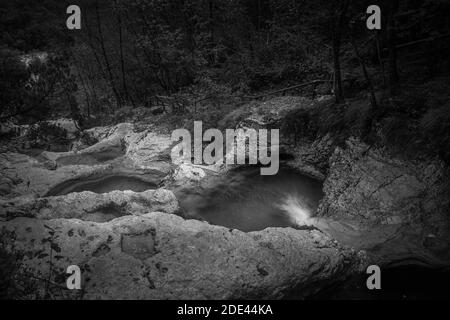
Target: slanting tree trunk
{"points": [[392, 49]]}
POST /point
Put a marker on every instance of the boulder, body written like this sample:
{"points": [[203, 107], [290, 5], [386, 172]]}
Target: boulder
{"points": [[147, 150], [185, 176]]}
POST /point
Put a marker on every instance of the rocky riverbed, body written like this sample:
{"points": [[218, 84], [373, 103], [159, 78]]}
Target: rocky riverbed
{"points": [[376, 209]]}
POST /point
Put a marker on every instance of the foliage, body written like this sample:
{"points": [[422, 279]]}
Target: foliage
{"points": [[197, 58], [48, 136], [33, 25], [13, 78]]}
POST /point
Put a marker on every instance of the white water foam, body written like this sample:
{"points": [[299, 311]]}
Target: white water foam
{"points": [[296, 210]]}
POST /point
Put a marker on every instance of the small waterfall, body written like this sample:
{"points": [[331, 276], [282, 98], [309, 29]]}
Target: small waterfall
{"points": [[245, 200], [297, 210]]}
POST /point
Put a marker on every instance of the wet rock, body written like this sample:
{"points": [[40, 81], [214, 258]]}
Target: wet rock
{"points": [[388, 206], [162, 256]]}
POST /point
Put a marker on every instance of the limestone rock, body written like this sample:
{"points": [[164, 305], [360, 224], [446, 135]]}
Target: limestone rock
{"points": [[162, 256], [90, 206], [263, 114], [119, 149], [403, 204], [24, 175], [309, 156], [110, 145], [148, 149], [140, 150]]}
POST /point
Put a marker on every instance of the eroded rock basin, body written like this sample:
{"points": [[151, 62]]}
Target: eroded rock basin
{"points": [[104, 184], [349, 218], [248, 201], [91, 159], [162, 256]]}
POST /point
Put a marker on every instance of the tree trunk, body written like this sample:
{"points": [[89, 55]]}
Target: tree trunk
{"points": [[105, 56], [380, 58], [122, 61], [338, 14], [373, 100], [337, 68], [392, 49]]}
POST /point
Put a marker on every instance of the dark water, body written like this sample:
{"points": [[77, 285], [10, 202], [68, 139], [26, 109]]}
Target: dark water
{"points": [[103, 185], [92, 158], [400, 283], [247, 201]]}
